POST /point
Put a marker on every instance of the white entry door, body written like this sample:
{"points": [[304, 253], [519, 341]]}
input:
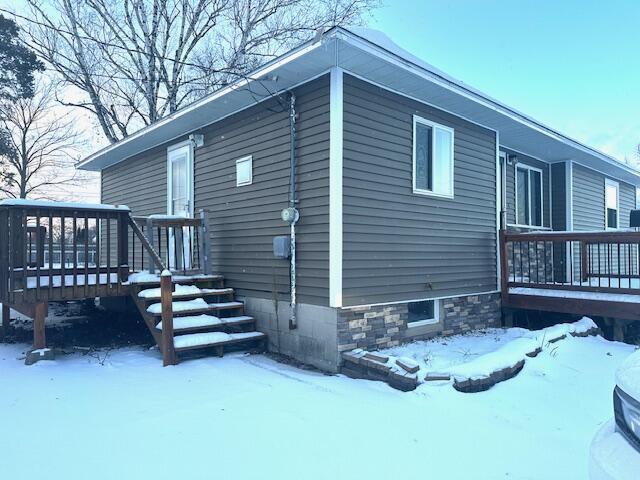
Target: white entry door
{"points": [[180, 203]]}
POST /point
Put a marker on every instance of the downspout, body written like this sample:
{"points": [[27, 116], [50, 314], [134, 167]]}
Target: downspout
{"points": [[293, 322]]}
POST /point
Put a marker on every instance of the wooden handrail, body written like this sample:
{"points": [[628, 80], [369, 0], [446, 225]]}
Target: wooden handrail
{"points": [[589, 237], [166, 301], [167, 221], [603, 261], [145, 243]]}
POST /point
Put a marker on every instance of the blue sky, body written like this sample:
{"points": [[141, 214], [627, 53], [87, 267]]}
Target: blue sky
{"points": [[574, 65]]}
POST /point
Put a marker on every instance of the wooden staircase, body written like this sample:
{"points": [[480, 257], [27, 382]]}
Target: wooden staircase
{"points": [[61, 251], [204, 316]]}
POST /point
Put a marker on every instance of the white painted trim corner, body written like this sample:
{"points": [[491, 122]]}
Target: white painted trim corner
{"points": [[335, 186]]}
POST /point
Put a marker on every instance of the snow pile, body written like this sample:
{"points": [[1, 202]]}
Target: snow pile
{"points": [[542, 420], [509, 348], [195, 304]]}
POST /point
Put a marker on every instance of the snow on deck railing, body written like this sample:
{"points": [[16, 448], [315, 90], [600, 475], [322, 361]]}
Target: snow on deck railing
{"points": [[21, 202]]}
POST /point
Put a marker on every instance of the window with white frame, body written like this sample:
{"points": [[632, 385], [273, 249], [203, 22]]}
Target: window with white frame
{"points": [[425, 312], [611, 201], [432, 158], [528, 196], [244, 171], [637, 197]]}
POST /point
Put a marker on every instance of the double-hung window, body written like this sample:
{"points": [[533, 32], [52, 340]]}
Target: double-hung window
{"points": [[611, 200], [528, 196], [432, 158]]}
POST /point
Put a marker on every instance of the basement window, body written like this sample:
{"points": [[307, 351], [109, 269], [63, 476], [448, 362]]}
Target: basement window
{"points": [[425, 312], [432, 158], [244, 171]]}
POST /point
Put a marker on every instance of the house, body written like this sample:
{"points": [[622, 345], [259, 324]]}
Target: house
{"points": [[393, 178]]}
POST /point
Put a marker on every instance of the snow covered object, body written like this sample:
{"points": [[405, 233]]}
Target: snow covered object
{"points": [[615, 450]]}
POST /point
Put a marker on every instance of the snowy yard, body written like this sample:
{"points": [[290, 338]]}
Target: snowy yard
{"points": [[246, 416]]}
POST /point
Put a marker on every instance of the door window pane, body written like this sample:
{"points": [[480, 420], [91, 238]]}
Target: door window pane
{"points": [[179, 186]]}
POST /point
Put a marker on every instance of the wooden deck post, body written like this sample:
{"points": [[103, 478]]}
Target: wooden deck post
{"points": [[584, 261], [151, 268], [205, 247], [6, 312], [504, 268], [41, 310], [166, 299], [123, 247]]}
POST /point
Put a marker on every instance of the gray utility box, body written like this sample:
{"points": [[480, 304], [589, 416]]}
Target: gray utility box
{"points": [[282, 246]]}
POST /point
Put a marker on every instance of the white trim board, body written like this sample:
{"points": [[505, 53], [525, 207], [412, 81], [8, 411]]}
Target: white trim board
{"points": [[501, 196], [336, 107], [398, 302]]}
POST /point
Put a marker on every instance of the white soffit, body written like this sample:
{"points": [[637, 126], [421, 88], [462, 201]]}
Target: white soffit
{"points": [[388, 66]]}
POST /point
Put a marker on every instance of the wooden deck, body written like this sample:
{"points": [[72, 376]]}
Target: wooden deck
{"points": [[58, 252], [585, 273]]}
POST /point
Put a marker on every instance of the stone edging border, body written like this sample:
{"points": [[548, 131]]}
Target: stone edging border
{"points": [[361, 364]]}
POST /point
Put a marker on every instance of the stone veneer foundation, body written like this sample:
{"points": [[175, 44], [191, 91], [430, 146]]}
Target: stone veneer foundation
{"points": [[385, 326]]}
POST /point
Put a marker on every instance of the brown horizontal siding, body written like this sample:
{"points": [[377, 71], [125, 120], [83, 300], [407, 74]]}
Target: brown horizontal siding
{"points": [[245, 219], [398, 245]]}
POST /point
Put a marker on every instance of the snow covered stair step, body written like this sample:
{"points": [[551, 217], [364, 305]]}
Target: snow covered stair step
{"points": [[213, 339], [226, 305], [203, 321], [179, 290], [184, 291], [197, 304]]}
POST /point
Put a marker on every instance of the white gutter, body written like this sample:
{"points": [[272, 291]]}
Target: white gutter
{"points": [[431, 74], [255, 76]]}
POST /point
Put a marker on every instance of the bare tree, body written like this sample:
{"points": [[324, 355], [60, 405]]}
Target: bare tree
{"points": [[43, 144], [139, 60]]}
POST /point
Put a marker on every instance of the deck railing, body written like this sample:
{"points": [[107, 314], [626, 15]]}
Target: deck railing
{"points": [[607, 261], [45, 247], [182, 243], [57, 251]]}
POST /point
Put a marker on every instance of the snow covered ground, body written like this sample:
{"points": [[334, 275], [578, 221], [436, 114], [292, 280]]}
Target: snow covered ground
{"points": [[246, 416]]}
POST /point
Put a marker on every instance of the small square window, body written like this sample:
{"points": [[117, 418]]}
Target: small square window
{"points": [[244, 171], [423, 313]]}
